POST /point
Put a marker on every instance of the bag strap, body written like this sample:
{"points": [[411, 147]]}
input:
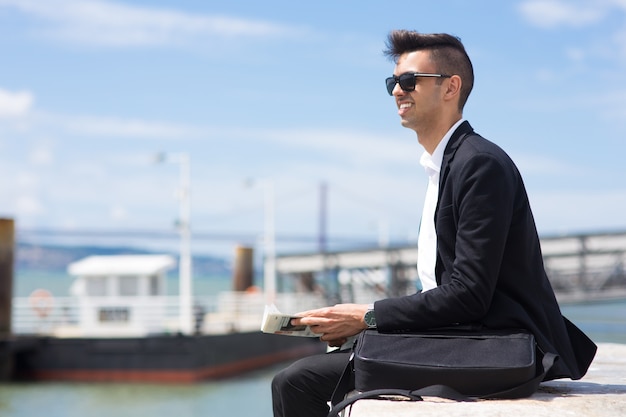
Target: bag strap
{"points": [[373, 394], [527, 388], [523, 390], [344, 385]]}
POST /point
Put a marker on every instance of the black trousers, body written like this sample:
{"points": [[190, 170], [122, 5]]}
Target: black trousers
{"points": [[304, 388]]}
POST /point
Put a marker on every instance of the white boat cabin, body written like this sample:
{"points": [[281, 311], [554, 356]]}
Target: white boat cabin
{"points": [[121, 295]]}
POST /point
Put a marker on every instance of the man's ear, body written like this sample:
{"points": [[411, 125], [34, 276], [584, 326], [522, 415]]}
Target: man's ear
{"points": [[453, 88]]}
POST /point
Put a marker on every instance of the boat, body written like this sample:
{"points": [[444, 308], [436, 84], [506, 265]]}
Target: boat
{"points": [[119, 325]]}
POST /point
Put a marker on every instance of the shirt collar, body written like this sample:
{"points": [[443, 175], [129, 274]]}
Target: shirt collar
{"points": [[432, 163]]}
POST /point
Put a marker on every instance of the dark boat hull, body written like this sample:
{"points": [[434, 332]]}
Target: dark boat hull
{"points": [[159, 358]]}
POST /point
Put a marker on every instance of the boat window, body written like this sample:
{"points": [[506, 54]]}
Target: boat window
{"points": [[113, 314], [154, 285], [96, 286], [129, 285]]}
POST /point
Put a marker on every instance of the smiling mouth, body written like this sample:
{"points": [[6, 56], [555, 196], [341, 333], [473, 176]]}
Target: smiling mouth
{"points": [[405, 105]]}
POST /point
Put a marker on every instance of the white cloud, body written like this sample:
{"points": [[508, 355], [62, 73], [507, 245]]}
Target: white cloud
{"points": [[41, 154], [26, 180], [116, 24], [28, 205], [620, 42], [118, 213], [105, 126], [588, 16], [15, 104], [612, 104], [117, 127], [555, 13], [575, 54], [351, 145], [359, 147], [541, 165], [594, 210]]}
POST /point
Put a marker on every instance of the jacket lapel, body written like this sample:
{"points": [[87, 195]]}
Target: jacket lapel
{"points": [[456, 139], [448, 155]]}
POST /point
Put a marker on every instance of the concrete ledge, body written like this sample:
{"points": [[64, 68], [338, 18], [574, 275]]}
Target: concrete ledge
{"points": [[601, 393]]}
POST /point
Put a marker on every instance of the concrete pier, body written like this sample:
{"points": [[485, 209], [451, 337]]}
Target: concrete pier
{"points": [[601, 393]]}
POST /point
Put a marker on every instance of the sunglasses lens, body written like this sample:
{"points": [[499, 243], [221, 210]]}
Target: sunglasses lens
{"points": [[407, 82], [391, 84]]}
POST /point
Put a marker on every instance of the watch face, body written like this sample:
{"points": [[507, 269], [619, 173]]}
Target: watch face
{"points": [[370, 318]]}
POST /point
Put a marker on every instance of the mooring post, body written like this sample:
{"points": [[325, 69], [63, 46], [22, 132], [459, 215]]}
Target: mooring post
{"points": [[7, 245], [243, 271]]}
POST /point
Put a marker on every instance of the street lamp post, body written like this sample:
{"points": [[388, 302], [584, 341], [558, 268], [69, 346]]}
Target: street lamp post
{"points": [[269, 270], [269, 238], [184, 229]]}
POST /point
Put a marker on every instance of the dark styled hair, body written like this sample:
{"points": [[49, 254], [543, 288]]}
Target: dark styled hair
{"points": [[446, 52]]}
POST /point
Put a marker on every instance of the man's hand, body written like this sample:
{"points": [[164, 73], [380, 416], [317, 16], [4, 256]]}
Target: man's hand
{"points": [[335, 323]]}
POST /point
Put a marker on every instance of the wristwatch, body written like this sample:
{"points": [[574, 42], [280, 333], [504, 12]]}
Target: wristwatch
{"points": [[370, 319]]}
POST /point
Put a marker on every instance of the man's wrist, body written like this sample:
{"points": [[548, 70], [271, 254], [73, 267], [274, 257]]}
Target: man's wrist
{"points": [[370, 317]]}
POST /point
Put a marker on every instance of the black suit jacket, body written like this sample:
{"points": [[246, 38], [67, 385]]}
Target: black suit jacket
{"points": [[489, 263]]}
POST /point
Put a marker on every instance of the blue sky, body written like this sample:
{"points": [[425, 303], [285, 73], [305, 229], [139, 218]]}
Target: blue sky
{"points": [[293, 94]]}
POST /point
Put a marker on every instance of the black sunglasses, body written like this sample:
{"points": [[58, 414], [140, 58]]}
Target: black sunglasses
{"points": [[407, 81]]}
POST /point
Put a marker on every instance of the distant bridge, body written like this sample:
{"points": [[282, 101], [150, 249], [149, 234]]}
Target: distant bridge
{"points": [[581, 267]]}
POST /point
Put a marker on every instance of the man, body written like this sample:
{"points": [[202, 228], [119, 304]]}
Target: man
{"points": [[479, 257]]}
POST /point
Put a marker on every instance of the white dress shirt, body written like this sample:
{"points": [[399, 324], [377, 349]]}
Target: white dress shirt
{"points": [[427, 239]]}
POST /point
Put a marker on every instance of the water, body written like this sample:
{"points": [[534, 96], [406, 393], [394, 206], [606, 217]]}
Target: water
{"points": [[602, 321], [58, 283], [247, 396], [244, 396]]}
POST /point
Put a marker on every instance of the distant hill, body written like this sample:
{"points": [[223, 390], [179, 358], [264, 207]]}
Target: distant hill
{"points": [[55, 258]]}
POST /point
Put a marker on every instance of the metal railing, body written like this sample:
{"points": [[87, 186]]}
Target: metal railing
{"points": [[140, 316], [580, 267]]}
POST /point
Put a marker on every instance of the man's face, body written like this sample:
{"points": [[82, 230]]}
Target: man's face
{"points": [[420, 108]]}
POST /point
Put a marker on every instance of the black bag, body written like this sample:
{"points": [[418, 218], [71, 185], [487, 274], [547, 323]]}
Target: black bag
{"points": [[453, 363]]}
